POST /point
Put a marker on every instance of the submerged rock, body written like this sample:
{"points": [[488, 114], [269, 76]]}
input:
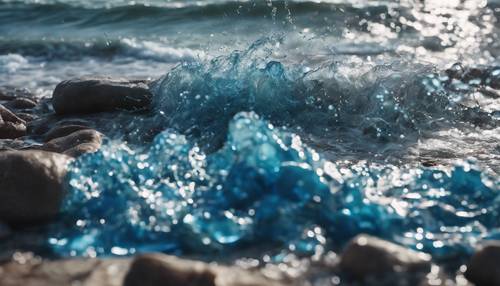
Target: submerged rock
{"points": [[484, 266], [90, 95], [11, 126], [163, 270], [76, 143], [31, 186], [367, 256]]}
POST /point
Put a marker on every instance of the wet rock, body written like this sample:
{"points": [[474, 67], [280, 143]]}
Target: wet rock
{"points": [[484, 266], [26, 116], [28, 270], [31, 186], [61, 131], [90, 95], [152, 270], [76, 143], [4, 231], [13, 144], [21, 103], [456, 71], [163, 270], [11, 126], [366, 256]]}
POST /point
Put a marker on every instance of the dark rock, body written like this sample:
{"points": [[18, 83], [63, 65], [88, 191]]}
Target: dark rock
{"points": [[31, 186], [152, 270], [26, 116], [367, 256], [11, 126], [61, 131], [90, 95], [456, 71], [4, 231], [76, 143], [484, 266], [21, 103], [163, 270]]}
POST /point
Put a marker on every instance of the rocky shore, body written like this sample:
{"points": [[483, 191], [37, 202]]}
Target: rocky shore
{"points": [[39, 137]]}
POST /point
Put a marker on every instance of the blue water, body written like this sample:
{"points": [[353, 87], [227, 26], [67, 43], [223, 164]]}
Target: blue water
{"points": [[266, 186], [277, 127]]}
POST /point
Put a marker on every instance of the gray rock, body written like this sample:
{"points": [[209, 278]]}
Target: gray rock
{"points": [[21, 103], [366, 256], [61, 131], [76, 143], [11, 126], [31, 186], [27, 270], [146, 270], [484, 266], [163, 270], [93, 94]]}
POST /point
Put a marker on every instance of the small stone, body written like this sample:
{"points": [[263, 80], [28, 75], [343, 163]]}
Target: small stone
{"points": [[61, 131], [11, 126], [483, 268], [92, 94], [76, 143], [162, 270], [31, 186], [21, 103], [366, 256]]}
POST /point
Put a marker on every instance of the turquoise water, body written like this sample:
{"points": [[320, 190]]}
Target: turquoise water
{"points": [[277, 127]]}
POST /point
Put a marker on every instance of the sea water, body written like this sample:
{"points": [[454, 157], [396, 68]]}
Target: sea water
{"points": [[277, 127]]}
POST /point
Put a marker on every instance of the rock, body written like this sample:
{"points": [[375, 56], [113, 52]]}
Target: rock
{"points": [[145, 270], [31, 186], [163, 270], [27, 117], [21, 103], [11, 126], [90, 95], [366, 256], [152, 270], [483, 268], [4, 231], [76, 143], [27, 270], [61, 131], [13, 144]]}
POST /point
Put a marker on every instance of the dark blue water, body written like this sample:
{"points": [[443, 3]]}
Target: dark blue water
{"points": [[279, 127]]}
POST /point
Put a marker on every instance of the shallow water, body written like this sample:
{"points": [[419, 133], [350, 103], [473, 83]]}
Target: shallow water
{"points": [[288, 125]]}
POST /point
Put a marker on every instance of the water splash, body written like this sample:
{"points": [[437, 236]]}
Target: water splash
{"points": [[265, 187]]}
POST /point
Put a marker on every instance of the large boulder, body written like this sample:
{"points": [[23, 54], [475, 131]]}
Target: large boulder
{"points": [[484, 266], [366, 256], [76, 143], [163, 270], [11, 126], [31, 186], [93, 94]]}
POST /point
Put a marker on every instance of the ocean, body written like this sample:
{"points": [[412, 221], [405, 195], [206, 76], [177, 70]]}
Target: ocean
{"points": [[285, 127]]}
